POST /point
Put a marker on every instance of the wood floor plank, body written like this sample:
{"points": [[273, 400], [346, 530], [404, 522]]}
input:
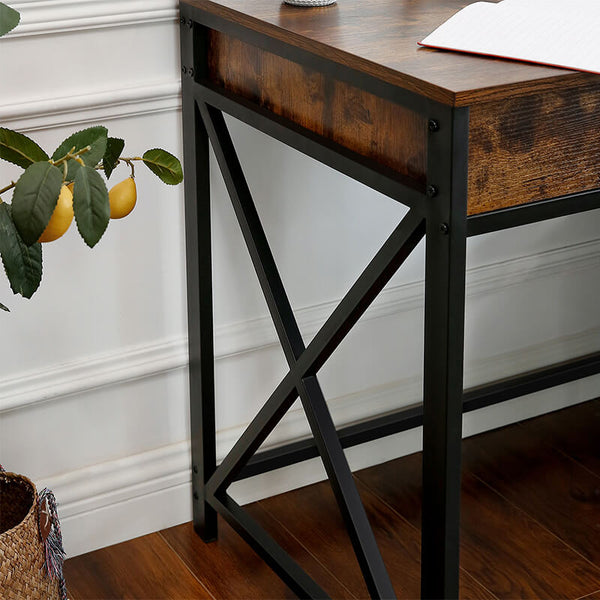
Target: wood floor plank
{"points": [[574, 431], [312, 516], [530, 521], [231, 569], [554, 489], [501, 546], [137, 569]]}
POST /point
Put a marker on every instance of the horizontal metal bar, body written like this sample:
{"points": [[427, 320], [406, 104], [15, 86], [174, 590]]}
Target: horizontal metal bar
{"points": [[409, 418], [265, 546], [378, 177], [533, 212], [353, 435], [530, 382]]}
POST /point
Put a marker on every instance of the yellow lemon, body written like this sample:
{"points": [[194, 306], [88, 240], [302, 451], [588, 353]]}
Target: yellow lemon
{"points": [[61, 217], [122, 198]]}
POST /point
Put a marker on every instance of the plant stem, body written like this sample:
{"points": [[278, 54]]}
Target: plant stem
{"points": [[8, 187], [71, 155], [128, 160]]}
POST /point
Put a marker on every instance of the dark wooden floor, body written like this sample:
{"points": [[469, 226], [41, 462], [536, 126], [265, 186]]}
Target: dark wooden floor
{"points": [[530, 528]]}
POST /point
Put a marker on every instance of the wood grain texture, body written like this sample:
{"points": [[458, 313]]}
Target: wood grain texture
{"points": [[574, 431], [141, 568], [534, 147], [541, 143], [502, 548], [379, 38], [231, 569], [522, 468], [367, 124], [319, 527], [511, 549]]}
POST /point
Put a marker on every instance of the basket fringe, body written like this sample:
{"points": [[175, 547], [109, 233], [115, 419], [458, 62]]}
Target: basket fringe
{"points": [[53, 547]]}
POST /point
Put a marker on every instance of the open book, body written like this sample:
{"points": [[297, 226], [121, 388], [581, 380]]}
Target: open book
{"points": [[561, 33]]}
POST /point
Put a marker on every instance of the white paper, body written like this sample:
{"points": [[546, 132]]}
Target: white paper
{"points": [[564, 33]]}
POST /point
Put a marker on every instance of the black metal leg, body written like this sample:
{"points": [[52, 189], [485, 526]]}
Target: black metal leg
{"points": [[199, 295], [443, 361]]}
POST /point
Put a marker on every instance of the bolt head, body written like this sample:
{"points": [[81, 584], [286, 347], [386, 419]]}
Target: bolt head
{"points": [[431, 191], [433, 125], [444, 228]]}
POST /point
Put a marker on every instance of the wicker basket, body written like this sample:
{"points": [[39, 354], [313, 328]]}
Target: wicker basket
{"points": [[24, 542]]}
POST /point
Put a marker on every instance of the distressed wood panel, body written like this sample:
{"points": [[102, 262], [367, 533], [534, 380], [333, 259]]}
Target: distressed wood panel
{"points": [[534, 147], [354, 118], [522, 149]]}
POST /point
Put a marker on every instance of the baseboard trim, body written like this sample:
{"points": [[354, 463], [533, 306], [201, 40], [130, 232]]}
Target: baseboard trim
{"points": [[132, 491]]}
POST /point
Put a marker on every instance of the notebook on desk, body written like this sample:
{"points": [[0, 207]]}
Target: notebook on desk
{"points": [[561, 33]]}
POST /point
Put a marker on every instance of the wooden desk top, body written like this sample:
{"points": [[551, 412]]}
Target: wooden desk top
{"points": [[379, 37], [534, 132]]}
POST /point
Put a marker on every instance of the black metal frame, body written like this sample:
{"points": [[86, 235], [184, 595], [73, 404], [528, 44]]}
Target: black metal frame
{"points": [[437, 212]]}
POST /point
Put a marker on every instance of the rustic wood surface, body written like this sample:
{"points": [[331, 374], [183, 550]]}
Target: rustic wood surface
{"points": [[379, 37], [534, 147], [520, 150], [367, 124], [534, 131], [529, 493]]}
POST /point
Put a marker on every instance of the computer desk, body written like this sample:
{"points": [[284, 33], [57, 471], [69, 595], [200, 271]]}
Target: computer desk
{"points": [[470, 145]]}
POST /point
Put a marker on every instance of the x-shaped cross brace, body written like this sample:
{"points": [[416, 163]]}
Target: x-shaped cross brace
{"points": [[304, 363]]}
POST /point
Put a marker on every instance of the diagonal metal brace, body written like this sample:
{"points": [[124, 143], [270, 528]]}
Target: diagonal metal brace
{"points": [[381, 268]]}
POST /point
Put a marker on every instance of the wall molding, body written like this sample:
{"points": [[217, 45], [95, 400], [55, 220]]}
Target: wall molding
{"points": [[44, 17], [127, 490], [95, 107], [131, 363]]}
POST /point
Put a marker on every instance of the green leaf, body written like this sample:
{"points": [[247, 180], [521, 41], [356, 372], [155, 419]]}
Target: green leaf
{"points": [[166, 166], [9, 19], [34, 199], [90, 204], [114, 147], [94, 137], [22, 263], [19, 149]]}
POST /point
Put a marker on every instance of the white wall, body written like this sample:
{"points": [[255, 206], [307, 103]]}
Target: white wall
{"points": [[93, 392]]}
